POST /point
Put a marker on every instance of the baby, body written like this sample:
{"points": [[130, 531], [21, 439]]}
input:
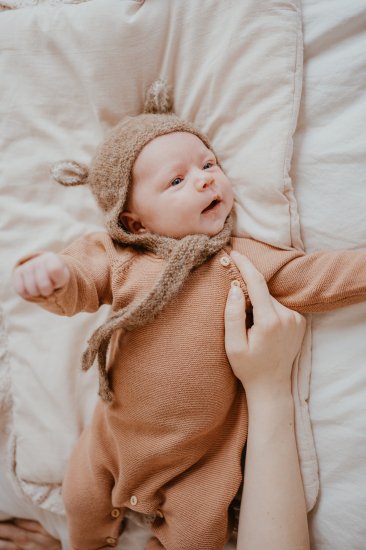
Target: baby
{"points": [[166, 439]]}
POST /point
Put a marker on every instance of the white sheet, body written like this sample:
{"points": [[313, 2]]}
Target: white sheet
{"points": [[329, 174]]}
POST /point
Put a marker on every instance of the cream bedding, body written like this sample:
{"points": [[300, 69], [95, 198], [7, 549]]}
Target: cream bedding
{"points": [[72, 71], [329, 174]]}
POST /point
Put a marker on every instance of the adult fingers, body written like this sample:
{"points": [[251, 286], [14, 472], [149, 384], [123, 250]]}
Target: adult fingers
{"points": [[8, 545], [38, 537], [11, 534], [30, 525], [293, 324], [289, 316], [235, 331], [259, 295]]}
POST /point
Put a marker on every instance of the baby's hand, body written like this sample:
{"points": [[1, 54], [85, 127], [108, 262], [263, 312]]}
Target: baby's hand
{"points": [[40, 276]]}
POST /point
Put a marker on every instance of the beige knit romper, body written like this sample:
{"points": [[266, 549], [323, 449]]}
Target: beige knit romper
{"points": [[170, 443]]}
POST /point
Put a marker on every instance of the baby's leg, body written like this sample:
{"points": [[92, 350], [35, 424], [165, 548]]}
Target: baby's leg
{"points": [[195, 514], [93, 522], [154, 544]]}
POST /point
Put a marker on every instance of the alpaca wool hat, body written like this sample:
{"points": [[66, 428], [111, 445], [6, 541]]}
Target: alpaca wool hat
{"points": [[110, 174], [109, 178]]}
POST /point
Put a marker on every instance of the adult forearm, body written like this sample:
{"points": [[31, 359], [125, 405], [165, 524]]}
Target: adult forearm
{"points": [[273, 512]]}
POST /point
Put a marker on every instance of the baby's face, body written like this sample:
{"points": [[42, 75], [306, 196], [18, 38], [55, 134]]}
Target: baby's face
{"points": [[178, 189]]}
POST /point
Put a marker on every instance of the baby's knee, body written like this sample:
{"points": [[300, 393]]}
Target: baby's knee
{"points": [[93, 522], [154, 544]]}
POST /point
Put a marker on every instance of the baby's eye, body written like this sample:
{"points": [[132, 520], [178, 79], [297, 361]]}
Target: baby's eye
{"points": [[208, 165], [176, 181]]}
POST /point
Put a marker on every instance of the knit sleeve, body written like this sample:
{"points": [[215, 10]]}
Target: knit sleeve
{"points": [[89, 260], [315, 282]]}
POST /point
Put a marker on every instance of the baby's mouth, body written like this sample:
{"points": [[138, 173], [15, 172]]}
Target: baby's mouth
{"points": [[211, 206]]}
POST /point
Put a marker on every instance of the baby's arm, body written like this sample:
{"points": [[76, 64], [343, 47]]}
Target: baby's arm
{"points": [[308, 283], [321, 281], [76, 280]]}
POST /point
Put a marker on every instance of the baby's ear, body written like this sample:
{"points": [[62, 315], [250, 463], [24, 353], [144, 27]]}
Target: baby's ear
{"points": [[131, 223], [69, 172], [158, 98]]}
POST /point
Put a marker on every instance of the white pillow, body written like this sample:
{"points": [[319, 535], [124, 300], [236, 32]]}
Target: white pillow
{"points": [[70, 72]]}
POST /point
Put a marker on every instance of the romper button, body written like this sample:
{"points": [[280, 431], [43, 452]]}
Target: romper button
{"points": [[115, 513], [235, 283], [159, 514], [111, 541], [225, 261], [133, 500]]}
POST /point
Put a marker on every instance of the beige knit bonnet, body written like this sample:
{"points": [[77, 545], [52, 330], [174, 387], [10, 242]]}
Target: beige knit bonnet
{"points": [[110, 178]]}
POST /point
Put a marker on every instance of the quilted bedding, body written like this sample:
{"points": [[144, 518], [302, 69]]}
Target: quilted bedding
{"points": [[72, 70]]}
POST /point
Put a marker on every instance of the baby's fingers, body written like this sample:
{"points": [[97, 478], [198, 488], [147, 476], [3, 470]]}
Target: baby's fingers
{"points": [[40, 276], [28, 277], [43, 281], [57, 271], [18, 283]]}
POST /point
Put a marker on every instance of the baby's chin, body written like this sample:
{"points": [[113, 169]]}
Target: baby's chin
{"points": [[209, 229], [215, 228], [208, 233]]}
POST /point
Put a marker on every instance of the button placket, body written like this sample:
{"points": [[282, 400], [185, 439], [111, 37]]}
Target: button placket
{"points": [[133, 500], [225, 261]]}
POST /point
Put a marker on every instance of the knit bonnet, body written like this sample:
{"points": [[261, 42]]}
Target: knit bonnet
{"points": [[109, 178]]}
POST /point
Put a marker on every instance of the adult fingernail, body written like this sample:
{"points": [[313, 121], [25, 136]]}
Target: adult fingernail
{"points": [[235, 293]]}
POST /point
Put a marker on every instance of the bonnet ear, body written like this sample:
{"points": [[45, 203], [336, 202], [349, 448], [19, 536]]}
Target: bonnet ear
{"points": [[158, 99], [69, 173]]}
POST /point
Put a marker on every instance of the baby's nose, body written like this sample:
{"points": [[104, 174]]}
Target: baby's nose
{"points": [[202, 181]]}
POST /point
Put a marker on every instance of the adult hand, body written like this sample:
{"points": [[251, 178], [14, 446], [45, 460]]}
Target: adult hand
{"points": [[261, 356], [273, 511], [22, 534]]}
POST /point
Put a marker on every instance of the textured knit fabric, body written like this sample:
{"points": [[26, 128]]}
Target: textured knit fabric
{"points": [[171, 441]]}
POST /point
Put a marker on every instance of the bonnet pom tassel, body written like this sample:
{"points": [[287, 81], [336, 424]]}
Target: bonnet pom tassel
{"points": [[70, 173], [158, 99]]}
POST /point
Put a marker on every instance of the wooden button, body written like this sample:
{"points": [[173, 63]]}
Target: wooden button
{"points": [[111, 541], [116, 512], [235, 283], [225, 261]]}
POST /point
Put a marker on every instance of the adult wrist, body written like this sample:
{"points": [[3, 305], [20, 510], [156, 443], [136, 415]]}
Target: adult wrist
{"points": [[270, 418], [270, 394]]}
